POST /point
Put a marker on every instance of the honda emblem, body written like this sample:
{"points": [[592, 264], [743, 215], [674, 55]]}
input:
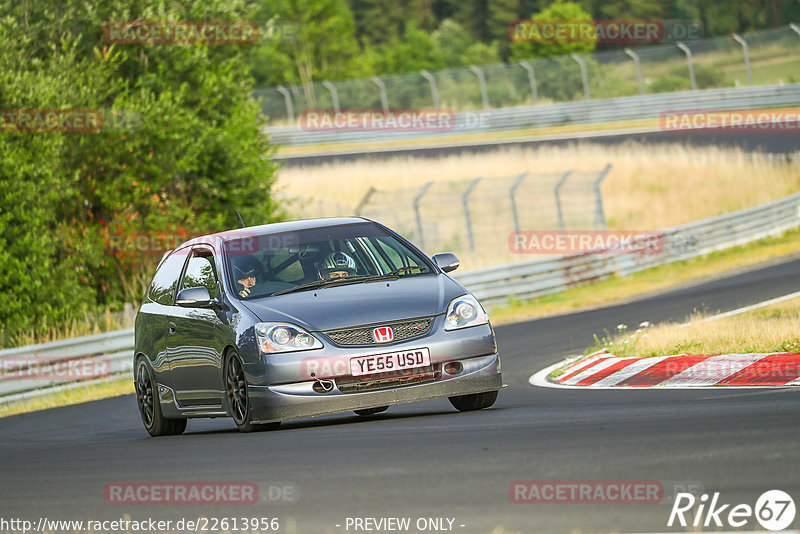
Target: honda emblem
{"points": [[382, 334]]}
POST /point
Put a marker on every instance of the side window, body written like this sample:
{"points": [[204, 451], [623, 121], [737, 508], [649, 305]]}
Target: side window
{"points": [[200, 272], [162, 288]]}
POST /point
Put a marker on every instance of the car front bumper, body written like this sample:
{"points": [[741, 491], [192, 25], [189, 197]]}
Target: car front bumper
{"points": [[299, 400]]}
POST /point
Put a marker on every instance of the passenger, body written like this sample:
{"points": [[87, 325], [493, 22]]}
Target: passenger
{"points": [[336, 265]]}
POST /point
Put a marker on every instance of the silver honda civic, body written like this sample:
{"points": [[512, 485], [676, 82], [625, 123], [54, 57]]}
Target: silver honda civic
{"points": [[305, 318]]}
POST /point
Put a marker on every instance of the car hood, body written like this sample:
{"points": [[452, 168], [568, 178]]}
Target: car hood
{"points": [[335, 307]]}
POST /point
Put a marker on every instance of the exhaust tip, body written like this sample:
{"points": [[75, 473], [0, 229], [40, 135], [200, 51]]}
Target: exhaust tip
{"points": [[453, 368]]}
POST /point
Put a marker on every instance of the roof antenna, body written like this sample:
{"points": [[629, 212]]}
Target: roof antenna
{"points": [[241, 220]]}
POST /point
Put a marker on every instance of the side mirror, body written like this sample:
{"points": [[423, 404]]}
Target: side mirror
{"points": [[194, 297], [446, 261]]}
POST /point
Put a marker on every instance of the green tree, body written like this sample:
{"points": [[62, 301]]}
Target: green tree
{"points": [[415, 51], [560, 10], [189, 155], [458, 49]]}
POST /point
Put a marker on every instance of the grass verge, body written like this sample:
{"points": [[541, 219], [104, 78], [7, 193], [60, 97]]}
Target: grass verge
{"points": [[621, 288], [90, 392], [774, 328]]}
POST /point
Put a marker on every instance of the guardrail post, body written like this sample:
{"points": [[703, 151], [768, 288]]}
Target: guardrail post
{"points": [[638, 66], [434, 90], [557, 193], [382, 88], [417, 200], [584, 75], [465, 204], [482, 82], [599, 213], [512, 193], [531, 79], [334, 94], [364, 201], [688, 53], [287, 98], [745, 49]]}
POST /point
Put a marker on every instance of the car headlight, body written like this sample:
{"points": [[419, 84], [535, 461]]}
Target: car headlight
{"points": [[464, 311], [284, 337]]}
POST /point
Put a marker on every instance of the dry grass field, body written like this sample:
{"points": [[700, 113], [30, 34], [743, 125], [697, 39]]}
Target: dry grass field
{"points": [[650, 187]]}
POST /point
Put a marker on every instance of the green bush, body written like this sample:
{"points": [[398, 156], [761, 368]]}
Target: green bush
{"points": [[190, 157]]}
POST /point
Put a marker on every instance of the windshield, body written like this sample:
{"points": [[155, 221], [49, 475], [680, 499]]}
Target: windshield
{"points": [[263, 265]]}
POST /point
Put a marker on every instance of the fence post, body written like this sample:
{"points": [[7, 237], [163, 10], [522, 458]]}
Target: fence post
{"points": [[465, 203], [584, 75], [512, 193], [738, 38], [417, 200], [599, 214], [334, 94], [638, 66], [434, 90], [482, 82], [532, 79], [363, 203], [287, 98], [557, 193], [382, 88], [691, 64]]}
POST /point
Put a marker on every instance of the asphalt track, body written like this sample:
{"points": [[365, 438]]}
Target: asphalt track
{"points": [[425, 459], [773, 142]]}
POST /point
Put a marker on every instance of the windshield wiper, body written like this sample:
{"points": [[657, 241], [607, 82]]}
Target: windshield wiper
{"points": [[349, 280], [320, 283], [404, 269]]}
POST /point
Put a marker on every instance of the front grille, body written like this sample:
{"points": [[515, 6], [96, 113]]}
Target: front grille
{"points": [[408, 377], [363, 335]]}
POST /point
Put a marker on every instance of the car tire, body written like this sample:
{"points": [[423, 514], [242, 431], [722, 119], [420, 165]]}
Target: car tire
{"points": [[149, 407], [475, 401], [371, 411], [237, 398]]}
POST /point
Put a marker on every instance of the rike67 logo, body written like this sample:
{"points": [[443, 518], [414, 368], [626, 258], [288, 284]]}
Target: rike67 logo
{"points": [[774, 510]]}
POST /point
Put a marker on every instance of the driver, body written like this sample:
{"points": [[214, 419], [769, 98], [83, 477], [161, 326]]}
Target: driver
{"points": [[336, 265], [246, 279], [245, 269]]}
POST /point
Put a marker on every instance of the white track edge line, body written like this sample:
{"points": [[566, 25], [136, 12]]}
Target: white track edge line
{"points": [[744, 309]]}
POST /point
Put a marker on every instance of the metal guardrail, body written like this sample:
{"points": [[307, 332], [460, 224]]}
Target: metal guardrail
{"points": [[492, 285], [543, 116], [64, 364], [530, 279]]}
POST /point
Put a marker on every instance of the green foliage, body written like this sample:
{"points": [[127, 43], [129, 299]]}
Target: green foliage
{"points": [[560, 10], [416, 50], [458, 49], [190, 155]]}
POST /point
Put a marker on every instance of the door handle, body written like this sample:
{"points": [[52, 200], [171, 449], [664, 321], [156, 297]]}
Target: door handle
{"points": [[173, 328]]}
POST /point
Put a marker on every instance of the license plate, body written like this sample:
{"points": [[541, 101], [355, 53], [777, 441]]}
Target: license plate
{"points": [[390, 361]]}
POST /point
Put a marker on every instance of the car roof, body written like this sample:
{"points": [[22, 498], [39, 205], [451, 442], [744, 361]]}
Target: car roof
{"points": [[275, 228]]}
